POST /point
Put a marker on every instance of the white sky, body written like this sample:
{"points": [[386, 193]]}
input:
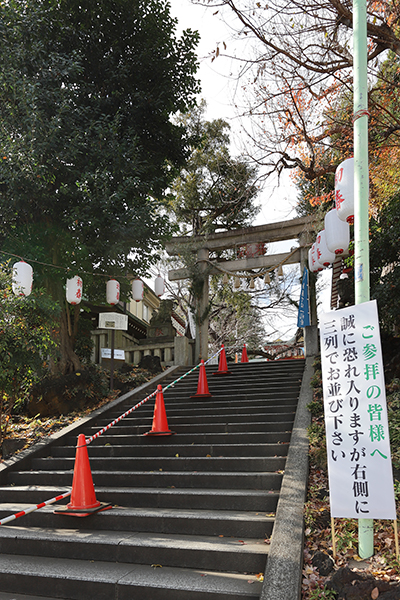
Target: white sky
{"points": [[218, 84], [218, 89]]}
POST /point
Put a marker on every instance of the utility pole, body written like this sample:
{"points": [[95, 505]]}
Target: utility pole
{"points": [[361, 199]]}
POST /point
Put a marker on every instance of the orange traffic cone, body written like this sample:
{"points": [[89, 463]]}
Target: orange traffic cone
{"points": [[160, 423], [202, 386], [244, 354], [222, 365], [236, 358], [83, 498]]}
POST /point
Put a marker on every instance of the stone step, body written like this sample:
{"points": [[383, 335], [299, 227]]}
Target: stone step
{"points": [[183, 521], [173, 550], [215, 427], [80, 580], [191, 512], [260, 416], [176, 463], [209, 407], [189, 498], [183, 450], [190, 438], [258, 481]]}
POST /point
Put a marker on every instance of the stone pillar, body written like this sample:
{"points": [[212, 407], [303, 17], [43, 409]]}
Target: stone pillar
{"points": [[168, 355], [183, 351]]}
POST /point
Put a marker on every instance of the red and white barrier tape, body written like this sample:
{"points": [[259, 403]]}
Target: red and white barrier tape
{"points": [[33, 508], [128, 412], [88, 440]]}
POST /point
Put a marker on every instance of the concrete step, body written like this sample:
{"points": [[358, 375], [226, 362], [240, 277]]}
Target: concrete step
{"points": [[194, 438], [216, 427], [185, 419], [79, 580], [176, 463], [171, 550], [190, 513], [210, 410], [183, 521], [258, 481], [189, 498], [208, 407], [181, 449]]}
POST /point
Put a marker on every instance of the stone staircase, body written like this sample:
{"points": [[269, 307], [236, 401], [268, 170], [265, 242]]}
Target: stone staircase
{"points": [[193, 513]]}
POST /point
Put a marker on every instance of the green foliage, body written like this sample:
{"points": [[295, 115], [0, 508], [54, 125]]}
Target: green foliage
{"points": [[317, 443], [393, 404], [322, 592], [348, 537], [214, 191], [87, 91], [96, 386], [316, 407], [385, 263], [27, 334]]}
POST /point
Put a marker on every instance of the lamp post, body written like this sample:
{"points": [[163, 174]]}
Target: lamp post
{"points": [[361, 197]]}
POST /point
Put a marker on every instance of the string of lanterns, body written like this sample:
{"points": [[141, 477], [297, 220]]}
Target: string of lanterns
{"points": [[22, 279], [334, 239]]}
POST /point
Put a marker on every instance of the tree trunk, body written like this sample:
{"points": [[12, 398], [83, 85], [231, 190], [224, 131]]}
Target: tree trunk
{"points": [[69, 362]]}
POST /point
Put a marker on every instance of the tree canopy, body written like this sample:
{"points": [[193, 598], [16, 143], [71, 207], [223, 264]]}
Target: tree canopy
{"points": [[296, 71], [87, 91], [214, 191]]}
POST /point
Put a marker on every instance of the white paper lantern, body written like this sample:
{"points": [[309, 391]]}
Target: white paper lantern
{"points": [[344, 190], [314, 263], [159, 286], [324, 255], [74, 290], [137, 289], [337, 233], [112, 291], [22, 277]]}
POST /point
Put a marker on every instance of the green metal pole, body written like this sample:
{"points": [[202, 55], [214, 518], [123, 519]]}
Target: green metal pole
{"points": [[361, 198]]}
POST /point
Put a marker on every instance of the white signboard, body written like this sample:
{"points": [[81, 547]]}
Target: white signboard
{"points": [[111, 320], [118, 354], [357, 434]]}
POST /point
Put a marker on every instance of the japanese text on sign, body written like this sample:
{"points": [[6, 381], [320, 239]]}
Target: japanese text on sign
{"points": [[357, 434]]}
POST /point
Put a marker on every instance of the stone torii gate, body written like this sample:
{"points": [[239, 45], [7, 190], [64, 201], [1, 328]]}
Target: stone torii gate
{"points": [[299, 229]]}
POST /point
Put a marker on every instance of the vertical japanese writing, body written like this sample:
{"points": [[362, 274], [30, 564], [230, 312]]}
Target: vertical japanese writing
{"points": [[355, 413]]}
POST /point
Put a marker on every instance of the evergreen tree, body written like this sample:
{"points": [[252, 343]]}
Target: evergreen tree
{"points": [[87, 91]]}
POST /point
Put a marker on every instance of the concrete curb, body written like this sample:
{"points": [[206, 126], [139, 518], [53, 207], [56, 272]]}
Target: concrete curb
{"points": [[20, 460], [283, 574]]}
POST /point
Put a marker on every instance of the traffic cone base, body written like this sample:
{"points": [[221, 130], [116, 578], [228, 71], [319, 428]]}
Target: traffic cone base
{"points": [[160, 423], [78, 512], [222, 373], [155, 433], [202, 386], [83, 497]]}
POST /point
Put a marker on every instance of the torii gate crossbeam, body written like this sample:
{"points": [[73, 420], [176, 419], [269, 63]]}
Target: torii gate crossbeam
{"points": [[299, 228]]}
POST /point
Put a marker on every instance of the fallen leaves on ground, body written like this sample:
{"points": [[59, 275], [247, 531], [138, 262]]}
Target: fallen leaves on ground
{"points": [[318, 536]]}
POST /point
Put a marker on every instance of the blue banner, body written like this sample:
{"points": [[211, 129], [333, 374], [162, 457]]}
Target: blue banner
{"points": [[303, 318]]}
